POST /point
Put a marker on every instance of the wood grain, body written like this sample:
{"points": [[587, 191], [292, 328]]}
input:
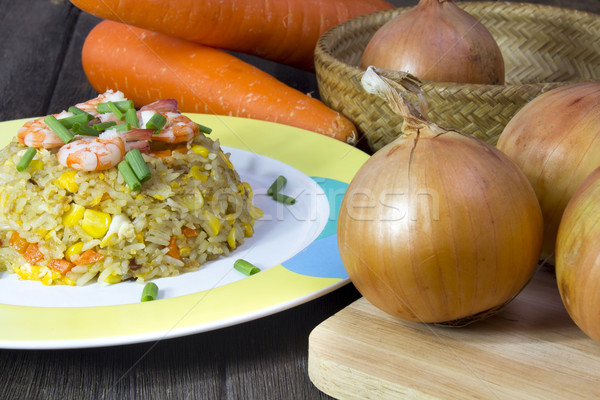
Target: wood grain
{"points": [[530, 350]]}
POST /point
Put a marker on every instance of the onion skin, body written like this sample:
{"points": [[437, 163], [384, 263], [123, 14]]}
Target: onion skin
{"points": [[438, 226], [578, 257], [555, 140], [437, 41]]}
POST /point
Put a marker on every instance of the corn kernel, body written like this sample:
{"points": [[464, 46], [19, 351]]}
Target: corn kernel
{"points": [[36, 165], [67, 181], [256, 212], [248, 230], [74, 215], [95, 223], [112, 278], [213, 223], [139, 236], [74, 250], [201, 150], [248, 190], [231, 239], [185, 251], [67, 281], [41, 232], [197, 174], [230, 218], [95, 201], [47, 280], [159, 197]]}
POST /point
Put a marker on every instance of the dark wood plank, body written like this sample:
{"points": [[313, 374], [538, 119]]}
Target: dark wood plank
{"points": [[72, 85], [35, 38]]}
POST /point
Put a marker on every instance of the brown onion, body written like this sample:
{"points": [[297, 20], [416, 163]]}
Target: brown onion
{"points": [[578, 256], [437, 226], [437, 41], [555, 140]]}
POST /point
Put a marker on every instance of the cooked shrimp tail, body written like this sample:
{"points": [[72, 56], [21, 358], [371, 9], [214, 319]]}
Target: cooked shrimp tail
{"points": [[161, 106], [141, 145], [137, 134]]}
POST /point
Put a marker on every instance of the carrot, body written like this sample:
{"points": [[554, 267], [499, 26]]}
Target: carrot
{"points": [[173, 248], [148, 66], [61, 265], [18, 243], [88, 257], [33, 254], [189, 232], [285, 31]]}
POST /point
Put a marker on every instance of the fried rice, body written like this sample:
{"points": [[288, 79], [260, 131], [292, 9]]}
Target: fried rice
{"points": [[194, 209]]}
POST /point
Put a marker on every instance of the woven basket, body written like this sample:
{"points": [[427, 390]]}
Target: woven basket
{"points": [[543, 47]]}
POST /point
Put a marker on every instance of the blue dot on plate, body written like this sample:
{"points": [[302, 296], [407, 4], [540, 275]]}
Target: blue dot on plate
{"points": [[321, 258]]}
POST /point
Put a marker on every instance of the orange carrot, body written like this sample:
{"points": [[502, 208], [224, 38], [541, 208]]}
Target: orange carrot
{"points": [[88, 257], [148, 66], [283, 30], [173, 248], [189, 232], [33, 254], [61, 265], [18, 243]]}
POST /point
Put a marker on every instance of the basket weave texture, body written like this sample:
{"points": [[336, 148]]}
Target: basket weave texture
{"points": [[543, 47]]}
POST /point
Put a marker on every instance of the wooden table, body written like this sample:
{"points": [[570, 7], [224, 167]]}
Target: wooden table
{"points": [[41, 73]]}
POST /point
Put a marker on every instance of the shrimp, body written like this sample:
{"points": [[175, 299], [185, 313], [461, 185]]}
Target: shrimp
{"points": [[178, 128], [164, 105], [93, 154], [36, 133], [91, 106]]}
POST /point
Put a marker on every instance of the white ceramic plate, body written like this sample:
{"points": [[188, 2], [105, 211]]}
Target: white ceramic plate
{"points": [[295, 246]]}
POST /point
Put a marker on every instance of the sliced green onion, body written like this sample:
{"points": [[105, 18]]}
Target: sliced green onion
{"points": [[150, 292], [156, 122], [131, 117], [277, 185], [115, 110], [245, 267], [86, 130], [122, 105], [129, 176], [282, 198], [26, 159], [138, 165], [204, 129], [68, 122], [122, 127], [58, 128], [102, 126], [75, 110]]}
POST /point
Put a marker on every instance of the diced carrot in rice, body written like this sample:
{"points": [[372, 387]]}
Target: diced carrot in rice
{"points": [[61, 265]]}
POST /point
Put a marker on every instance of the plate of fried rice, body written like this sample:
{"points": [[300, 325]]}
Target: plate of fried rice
{"points": [[78, 247]]}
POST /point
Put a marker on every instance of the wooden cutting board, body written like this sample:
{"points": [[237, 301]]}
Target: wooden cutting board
{"points": [[530, 350]]}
